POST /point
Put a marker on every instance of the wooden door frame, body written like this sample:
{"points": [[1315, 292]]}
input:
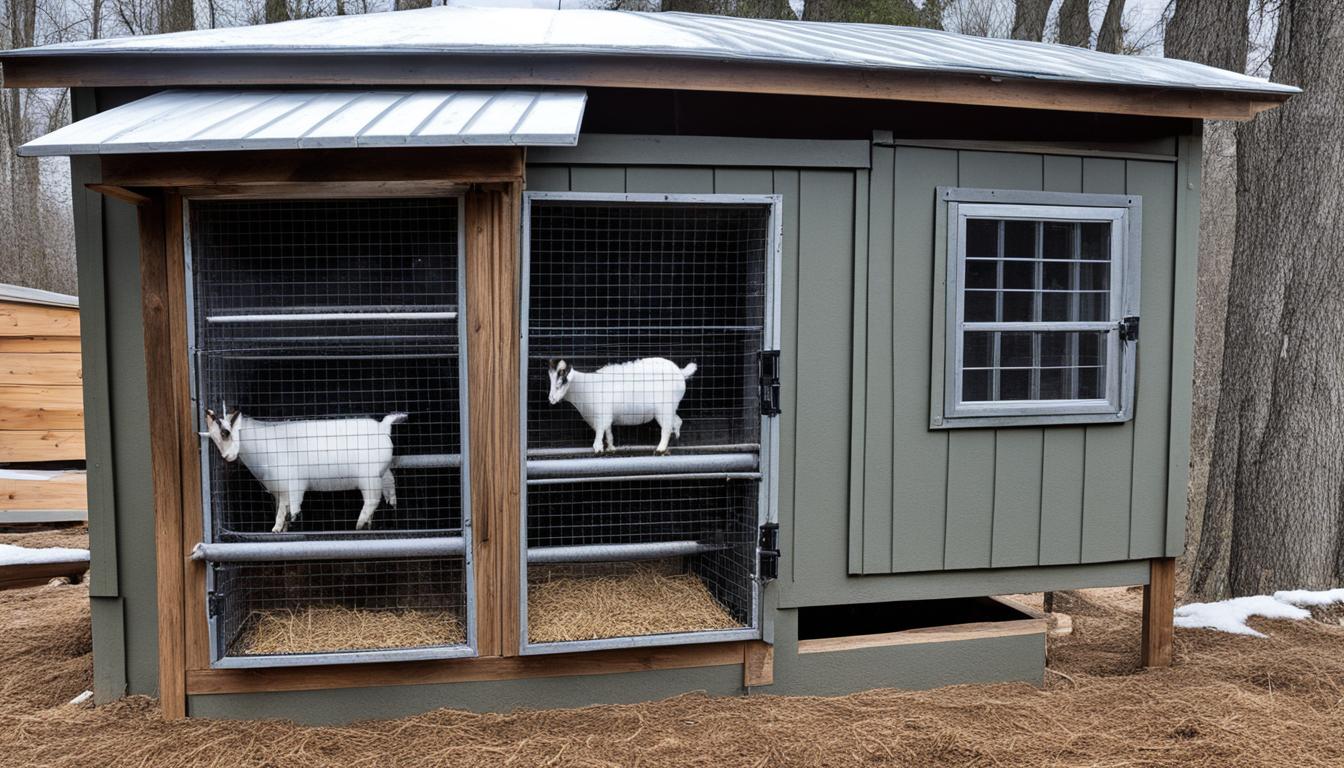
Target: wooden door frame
{"points": [[491, 180]]}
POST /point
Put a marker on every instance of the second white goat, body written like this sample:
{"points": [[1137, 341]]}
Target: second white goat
{"points": [[624, 394], [291, 458]]}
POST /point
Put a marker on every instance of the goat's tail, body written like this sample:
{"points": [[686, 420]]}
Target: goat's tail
{"points": [[393, 418], [688, 371]]}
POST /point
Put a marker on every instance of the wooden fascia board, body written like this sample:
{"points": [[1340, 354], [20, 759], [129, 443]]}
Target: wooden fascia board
{"points": [[314, 166], [423, 69]]}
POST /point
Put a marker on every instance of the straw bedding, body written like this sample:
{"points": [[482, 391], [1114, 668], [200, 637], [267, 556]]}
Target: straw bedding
{"points": [[337, 628], [643, 599], [1227, 701]]}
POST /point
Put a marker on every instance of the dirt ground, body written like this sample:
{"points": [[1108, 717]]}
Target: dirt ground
{"points": [[1226, 701]]}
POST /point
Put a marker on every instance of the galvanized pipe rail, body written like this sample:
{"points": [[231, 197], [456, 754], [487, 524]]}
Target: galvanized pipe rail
{"points": [[614, 553], [643, 467], [344, 549]]}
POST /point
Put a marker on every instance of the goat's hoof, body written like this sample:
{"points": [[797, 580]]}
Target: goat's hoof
{"points": [[660, 453]]}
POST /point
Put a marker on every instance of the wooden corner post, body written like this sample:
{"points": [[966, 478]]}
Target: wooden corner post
{"points": [[1159, 603], [166, 478], [492, 274]]}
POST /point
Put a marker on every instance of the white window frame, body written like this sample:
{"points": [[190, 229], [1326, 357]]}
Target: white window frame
{"points": [[1123, 213]]}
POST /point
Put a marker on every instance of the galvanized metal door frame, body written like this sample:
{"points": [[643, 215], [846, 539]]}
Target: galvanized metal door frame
{"points": [[467, 649], [767, 493]]}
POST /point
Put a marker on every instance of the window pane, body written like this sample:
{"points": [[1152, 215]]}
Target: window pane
{"points": [[1019, 307], [1094, 307], [1094, 277], [1058, 276], [1054, 384], [982, 238], [1058, 240], [975, 386], [979, 306], [1092, 383], [1019, 239], [1090, 347], [982, 274], [1096, 241], [1019, 274], [1015, 350], [977, 350], [1015, 385], [1057, 349], [1058, 307]]}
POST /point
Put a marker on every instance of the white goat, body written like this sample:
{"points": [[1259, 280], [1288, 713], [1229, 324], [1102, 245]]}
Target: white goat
{"points": [[624, 394], [291, 458]]}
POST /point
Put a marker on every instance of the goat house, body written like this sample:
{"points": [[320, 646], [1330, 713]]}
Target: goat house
{"points": [[938, 293]]}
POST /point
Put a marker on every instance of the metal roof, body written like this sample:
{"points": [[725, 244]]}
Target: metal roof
{"points": [[24, 295], [205, 120], [537, 32]]}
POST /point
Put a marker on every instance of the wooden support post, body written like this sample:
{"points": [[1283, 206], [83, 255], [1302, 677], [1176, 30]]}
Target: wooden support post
{"points": [[758, 664], [492, 274], [1159, 602], [166, 477]]}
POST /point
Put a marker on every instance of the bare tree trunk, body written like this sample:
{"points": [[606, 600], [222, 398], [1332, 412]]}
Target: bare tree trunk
{"points": [[1075, 25], [1029, 19], [277, 10], [178, 16], [901, 12], [1278, 470], [1213, 32], [1110, 38]]}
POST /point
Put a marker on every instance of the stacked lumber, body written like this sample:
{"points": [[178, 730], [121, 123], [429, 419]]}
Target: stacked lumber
{"points": [[41, 407]]}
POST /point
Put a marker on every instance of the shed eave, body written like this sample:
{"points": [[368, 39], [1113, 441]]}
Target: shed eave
{"points": [[310, 68]]}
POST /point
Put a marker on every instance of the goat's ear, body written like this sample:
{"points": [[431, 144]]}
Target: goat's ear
{"points": [[551, 363], [562, 366], [233, 420], [209, 416]]}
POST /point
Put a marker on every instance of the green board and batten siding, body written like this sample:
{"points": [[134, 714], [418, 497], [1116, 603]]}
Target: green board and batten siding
{"points": [[942, 500]]}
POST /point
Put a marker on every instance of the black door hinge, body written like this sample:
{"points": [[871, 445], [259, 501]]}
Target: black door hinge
{"points": [[1129, 329], [770, 383], [212, 603], [767, 551]]}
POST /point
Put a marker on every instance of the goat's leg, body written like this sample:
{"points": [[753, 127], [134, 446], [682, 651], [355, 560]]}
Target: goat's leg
{"points": [[611, 440], [281, 513], [665, 422], [389, 487], [371, 495], [296, 502], [600, 429], [676, 426]]}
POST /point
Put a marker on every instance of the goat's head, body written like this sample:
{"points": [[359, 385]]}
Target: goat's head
{"points": [[223, 431], [559, 380]]}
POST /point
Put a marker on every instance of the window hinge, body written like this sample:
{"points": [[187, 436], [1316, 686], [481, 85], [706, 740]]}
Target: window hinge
{"points": [[767, 551], [1129, 329], [770, 383]]}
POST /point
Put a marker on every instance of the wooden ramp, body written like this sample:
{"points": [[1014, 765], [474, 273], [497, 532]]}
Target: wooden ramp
{"points": [[41, 407]]}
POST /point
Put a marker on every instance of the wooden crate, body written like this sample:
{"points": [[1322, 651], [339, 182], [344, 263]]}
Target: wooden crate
{"points": [[41, 378]]}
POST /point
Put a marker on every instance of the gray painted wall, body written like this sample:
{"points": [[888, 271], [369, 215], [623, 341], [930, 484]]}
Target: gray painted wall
{"points": [[839, 228], [928, 500]]}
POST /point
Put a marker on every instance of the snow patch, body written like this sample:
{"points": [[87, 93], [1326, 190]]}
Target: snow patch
{"points": [[1308, 597], [1231, 615], [12, 555]]}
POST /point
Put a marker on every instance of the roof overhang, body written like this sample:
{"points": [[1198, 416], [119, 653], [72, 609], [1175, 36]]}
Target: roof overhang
{"points": [[213, 120], [391, 69]]}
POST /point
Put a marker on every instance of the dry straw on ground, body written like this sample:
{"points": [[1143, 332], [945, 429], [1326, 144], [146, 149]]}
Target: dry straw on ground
{"points": [[337, 628], [1227, 701], [643, 600]]}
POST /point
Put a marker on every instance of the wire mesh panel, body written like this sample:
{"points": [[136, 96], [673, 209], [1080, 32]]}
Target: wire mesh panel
{"points": [[646, 322], [328, 607], [327, 355]]}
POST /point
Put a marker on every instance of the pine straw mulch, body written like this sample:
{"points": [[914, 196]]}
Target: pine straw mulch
{"points": [[337, 628], [1226, 701], [644, 599]]}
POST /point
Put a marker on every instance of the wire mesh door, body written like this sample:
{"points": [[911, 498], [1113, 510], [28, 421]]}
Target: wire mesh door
{"points": [[647, 322], [329, 379]]}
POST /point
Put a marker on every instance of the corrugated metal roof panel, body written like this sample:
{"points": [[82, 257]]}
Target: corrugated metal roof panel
{"points": [[537, 32], [198, 121]]}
